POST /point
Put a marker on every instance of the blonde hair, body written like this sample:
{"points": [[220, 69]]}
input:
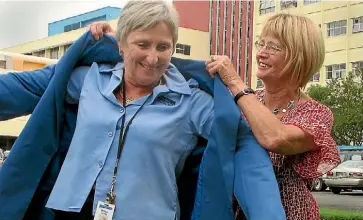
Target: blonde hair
{"points": [[303, 42], [146, 14]]}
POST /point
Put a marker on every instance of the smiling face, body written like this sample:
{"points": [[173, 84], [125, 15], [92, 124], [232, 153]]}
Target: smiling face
{"points": [[147, 54], [270, 58]]}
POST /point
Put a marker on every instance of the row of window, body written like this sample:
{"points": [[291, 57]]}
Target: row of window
{"points": [[84, 23], [337, 71], [54, 52], [334, 71], [267, 6], [334, 28], [337, 28]]}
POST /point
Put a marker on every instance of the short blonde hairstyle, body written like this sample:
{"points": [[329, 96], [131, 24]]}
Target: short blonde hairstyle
{"points": [[303, 42], [146, 14]]}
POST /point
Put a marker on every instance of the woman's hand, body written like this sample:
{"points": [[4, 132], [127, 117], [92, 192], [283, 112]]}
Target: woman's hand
{"points": [[224, 67], [99, 28]]}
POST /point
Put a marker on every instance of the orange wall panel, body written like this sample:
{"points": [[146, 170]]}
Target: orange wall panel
{"points": [[193, 14]]}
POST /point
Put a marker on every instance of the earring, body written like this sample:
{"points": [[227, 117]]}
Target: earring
{"points": [[121, 53]]}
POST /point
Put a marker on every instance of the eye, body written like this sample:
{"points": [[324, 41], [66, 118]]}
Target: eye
{"points": [[142, 45], [275, 48], [163, 47]]}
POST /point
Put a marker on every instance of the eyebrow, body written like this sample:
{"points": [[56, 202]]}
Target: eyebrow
{"points": [[274, 44]]}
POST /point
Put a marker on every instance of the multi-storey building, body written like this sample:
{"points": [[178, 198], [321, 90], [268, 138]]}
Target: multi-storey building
{"points": [[231, 31], [341, 23], [83, 20], [230, 27], [193, 36]]}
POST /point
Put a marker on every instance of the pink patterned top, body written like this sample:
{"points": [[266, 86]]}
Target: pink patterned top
{"points": [[294, 172]]}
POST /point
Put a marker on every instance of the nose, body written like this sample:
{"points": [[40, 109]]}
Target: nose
{"points": [[262, 53], [152, 57]]}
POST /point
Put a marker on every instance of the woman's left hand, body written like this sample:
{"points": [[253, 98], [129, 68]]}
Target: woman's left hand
{"points": [[99, 28], [224, 67]]}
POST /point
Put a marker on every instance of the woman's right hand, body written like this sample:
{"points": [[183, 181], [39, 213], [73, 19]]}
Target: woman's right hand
{"points": [[99, 28]]}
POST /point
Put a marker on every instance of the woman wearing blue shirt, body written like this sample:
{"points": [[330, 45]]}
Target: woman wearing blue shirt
{"points": [[137, 122]]}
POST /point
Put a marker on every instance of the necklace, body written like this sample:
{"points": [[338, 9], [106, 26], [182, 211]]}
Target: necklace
{"points": [[131, 99], [290, 105]]}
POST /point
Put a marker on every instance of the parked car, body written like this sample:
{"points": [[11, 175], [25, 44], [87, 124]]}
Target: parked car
{"points": [[346, 176], [345, 153], [319, 184]]}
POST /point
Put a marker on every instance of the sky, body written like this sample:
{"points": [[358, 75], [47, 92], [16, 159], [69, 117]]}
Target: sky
{"points": [[27, 20]]}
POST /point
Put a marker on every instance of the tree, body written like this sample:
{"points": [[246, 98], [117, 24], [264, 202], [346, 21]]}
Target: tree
{"points": [[345, 99]]}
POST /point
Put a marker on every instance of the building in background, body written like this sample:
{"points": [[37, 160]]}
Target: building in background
{"points": [[230, 27], [341, 23], [193, 40], [83, 20], [11, 62]]}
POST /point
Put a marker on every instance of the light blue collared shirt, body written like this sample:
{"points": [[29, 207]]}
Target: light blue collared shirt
{"points": [[159, 140]]}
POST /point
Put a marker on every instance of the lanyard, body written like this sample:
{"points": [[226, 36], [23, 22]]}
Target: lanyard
{"points": [[111, 195]]}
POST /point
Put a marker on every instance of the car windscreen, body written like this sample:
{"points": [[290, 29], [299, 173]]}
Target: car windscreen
{"points": [[351, 164]]}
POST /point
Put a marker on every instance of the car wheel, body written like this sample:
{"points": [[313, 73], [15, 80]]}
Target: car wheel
{"points": [[336, 190], [318, 185]]}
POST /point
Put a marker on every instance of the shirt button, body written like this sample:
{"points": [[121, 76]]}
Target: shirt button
{"points": [[100, 164], [122, 110], [110, 134]]}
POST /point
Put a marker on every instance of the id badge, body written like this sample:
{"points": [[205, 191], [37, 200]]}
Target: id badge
{"points": [[104, 211]]}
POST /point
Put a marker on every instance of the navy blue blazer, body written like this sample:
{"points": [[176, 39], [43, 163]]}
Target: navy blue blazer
{"points": [[215, 170]]}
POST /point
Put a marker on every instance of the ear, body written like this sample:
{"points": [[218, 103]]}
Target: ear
{"points": [[120, 48]]}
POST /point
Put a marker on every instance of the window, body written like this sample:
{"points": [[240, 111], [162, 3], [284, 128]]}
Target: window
{"points": [[66, 47], [267, 6], [183, 49], [335, 71], [288, 3], [89, 21], [308, 2], [259, 84], [6, 142], [337, 28], [358, 25], [40, 53], [2, 64], [357, 65], [54, 53], [316, 77], [72, 27]]}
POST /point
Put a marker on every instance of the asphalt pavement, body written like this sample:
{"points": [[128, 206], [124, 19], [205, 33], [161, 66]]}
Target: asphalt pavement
{"points": [[344, 201]]}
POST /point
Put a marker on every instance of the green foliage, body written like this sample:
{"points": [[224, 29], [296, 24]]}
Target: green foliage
{"points": [[345, 99], [332, 214]]}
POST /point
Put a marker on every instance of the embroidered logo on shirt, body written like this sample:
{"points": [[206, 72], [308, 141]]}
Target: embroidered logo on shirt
{"points": [[165, 101]]}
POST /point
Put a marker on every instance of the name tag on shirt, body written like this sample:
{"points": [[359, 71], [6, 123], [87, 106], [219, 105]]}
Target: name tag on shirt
{"points": [[104, 211]]}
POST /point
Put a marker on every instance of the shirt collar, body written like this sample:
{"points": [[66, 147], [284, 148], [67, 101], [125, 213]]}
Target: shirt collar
{"points": [[175, 81]]}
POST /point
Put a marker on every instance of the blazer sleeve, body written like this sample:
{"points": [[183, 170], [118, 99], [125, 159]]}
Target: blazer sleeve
{"points": [[20, 92], [255, 184]]}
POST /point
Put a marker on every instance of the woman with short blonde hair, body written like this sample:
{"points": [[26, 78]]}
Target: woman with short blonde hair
{"points": [[288, 123]]}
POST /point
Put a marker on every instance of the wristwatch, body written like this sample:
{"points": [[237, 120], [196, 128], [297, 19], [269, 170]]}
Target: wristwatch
{"points": [[242, 93]]}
